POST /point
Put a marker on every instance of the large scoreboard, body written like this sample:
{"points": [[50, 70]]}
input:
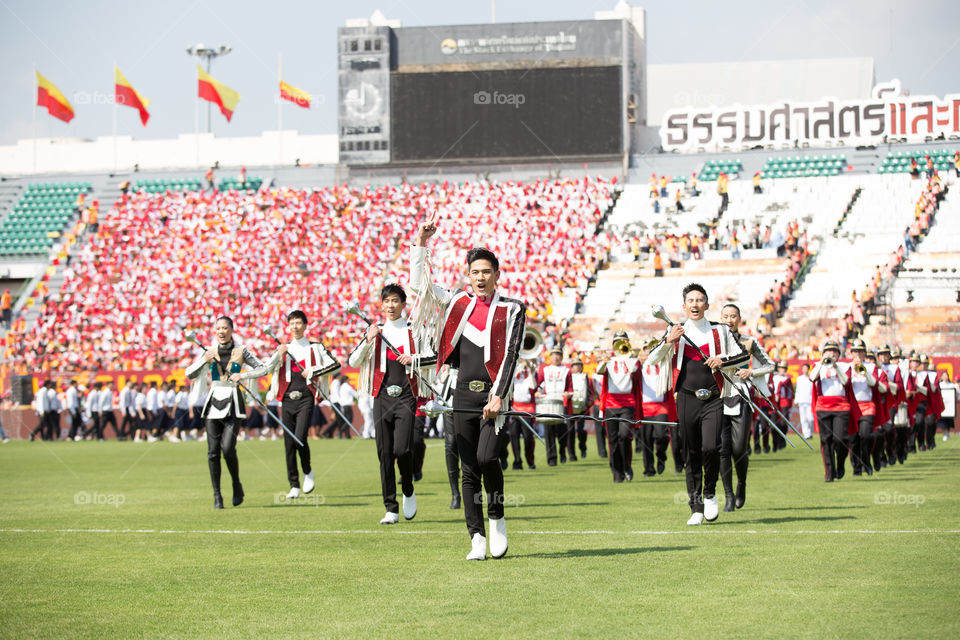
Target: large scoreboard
{"points": [[487, 93]]}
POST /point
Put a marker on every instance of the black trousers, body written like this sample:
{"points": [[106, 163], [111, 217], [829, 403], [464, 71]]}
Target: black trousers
{"points": [[676, 448], [478, 445], [519, 432], [222, 439], [619, 434], [930, 430], [701, 422], [902, 436], [296, 416], [451, 456], [761, 429], [862, 445], [600, 430], [76, 424], [345, 425], [108, 417], [735, 447], [888, 442], [656, 439], [577, 432], [96, 428], [393, 420], [556, 437], [834, 441], [419, 443], [128, 424], [918, 419]]}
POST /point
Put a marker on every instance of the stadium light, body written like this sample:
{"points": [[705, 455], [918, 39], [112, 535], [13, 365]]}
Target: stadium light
{"points": [[208, 54]]}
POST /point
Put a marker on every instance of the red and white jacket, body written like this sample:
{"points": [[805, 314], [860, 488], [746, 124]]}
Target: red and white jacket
{"points": [[312, 359], [656, 403], [440, 316], [372, 358], [621, 386]]}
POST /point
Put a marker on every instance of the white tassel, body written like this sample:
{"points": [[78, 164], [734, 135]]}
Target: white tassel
{"points": [[426, 316], [665, 376]]}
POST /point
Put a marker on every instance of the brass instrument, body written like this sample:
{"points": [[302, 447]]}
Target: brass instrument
{"points": [[859, 368], [532, 344], [828, 360], [622, 347]]}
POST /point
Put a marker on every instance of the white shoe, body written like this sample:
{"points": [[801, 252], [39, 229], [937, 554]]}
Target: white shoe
{"points": [[273, 437], [410, 506], [308, 483], [498, 537], [138, 439], [479, 548], [174, 439], [152, 439], [711, 510], [77, 438], [390, 518], [945, 438], [263, 437], [203, 437], [294, 493], [695, 519]]}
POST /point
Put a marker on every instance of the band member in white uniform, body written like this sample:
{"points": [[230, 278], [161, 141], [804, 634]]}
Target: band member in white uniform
{"points": [[620, 398], [554, 387], [581, 400], [524, 387]]}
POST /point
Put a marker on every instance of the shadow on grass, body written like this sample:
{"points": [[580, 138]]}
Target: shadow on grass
{"points": [[292, 504], [594, 553], [825, 508], [784, 520], [546, 505]]}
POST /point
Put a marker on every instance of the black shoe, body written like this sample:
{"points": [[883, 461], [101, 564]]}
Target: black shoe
{"points": [[217, 501], [756, 449], [618, 479], [729, 503], [531, 466], [455, 501], [839, 474], [573, 457], [551, 463], [518, 466], [563, 459], [857, 472], [660, 467], [678, 470], [238, 495], [649, 474], [503, 464], [418, 475], [868, 470], [828, 478], [766, 449], [741, 495], [583, 453], [628, 475], [602, 455]]}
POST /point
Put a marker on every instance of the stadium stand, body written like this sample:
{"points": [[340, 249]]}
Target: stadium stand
{"points": [[900, 161], [175, 260], [803, 166], [39, 217]]}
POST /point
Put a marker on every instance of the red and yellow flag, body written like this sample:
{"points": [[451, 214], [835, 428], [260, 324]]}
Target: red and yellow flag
{"points": [[50, 97], [217, 93], [128, 96], [297, 96]]}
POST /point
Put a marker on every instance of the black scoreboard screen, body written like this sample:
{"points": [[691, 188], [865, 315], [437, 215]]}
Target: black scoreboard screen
{"points": [[516, 113]]}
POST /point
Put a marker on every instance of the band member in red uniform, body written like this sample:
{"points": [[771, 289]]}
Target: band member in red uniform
{"points": [[524, 386], [760, 393], [916, 400], [701, 391], [783, 395], [554, 387], [928, 435], [479, 332], [581, 400], [834, 409], [868, 392], [890, 375], [395, 389], [656, 406], [620, 397]]}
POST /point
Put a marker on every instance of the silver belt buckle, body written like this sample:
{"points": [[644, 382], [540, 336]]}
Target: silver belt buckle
{"points": [[477, 385], [295, 395], [703, 394], [394, 391]]}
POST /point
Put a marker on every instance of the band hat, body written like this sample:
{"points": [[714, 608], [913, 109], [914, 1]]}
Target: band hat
{"points": [[896, 353], [830, 344], [556, 350], [858, 345], [576, 360], [621, 335], [915, 357], [924, 358], [782, 365], [884, 349]]}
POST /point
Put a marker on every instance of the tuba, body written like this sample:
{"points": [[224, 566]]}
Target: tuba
{"points": [[532, 344]]}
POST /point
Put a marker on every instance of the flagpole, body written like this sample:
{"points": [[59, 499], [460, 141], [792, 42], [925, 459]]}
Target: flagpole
{"points": [[35, 125], [115, 116], [279, 110], [196, 127]]}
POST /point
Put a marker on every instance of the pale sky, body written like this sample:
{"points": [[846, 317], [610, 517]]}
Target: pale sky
{"points": [[75, 45]]}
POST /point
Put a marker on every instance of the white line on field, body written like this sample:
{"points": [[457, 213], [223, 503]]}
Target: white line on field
{"points": [[338, 532]]}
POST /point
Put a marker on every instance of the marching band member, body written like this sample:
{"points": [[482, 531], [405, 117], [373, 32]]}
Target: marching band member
{"points": [[737, 414], [294, 367], [890, 371], [659, 406], [480, 332], [390, 380], [620, 398], [867, 391], [524, 386], [581, 400], [916, 400], [554, 387], [220, 369], [835, 409], [934, 403], [783, 396], [701, 390]]}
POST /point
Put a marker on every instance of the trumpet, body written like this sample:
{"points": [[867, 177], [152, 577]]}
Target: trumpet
{"points": [[828, 360], [622, 347], [859, 368], [532, 344]]}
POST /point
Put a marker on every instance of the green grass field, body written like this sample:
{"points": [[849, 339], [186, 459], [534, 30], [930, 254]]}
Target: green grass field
{"points": [[120, 540]]}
